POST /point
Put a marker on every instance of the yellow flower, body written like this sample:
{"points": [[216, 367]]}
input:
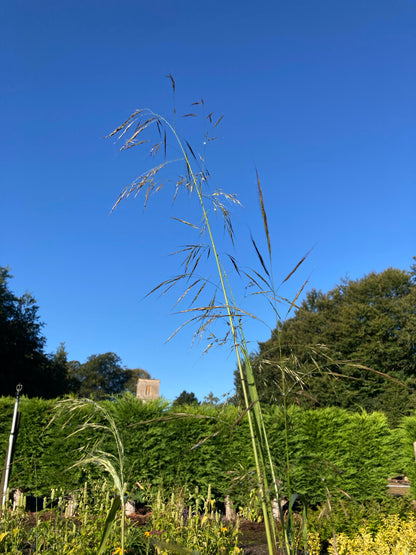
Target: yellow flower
{"points": [[147, 534], [117, 551], [224, 529]]}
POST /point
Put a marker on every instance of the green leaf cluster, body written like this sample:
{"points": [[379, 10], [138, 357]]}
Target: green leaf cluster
{"points": [[353, 347]]}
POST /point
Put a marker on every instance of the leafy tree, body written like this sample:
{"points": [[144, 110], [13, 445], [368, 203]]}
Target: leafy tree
{"points": [[186, 398], [100, 376], [22, 358], [340, 346]]}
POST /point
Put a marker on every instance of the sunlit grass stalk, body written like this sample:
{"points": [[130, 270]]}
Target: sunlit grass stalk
{"points": [[251, 399], [258, 434]]}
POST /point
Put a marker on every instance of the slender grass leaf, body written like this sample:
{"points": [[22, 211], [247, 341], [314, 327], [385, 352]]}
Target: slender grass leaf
{"points": [[293, 303], [199, 292], [263, 213], [190, 149], [112, 514], [242, 415], [185, 222], [361, 367], [260, 256], [234, 263], [186, 292], [204, 440], [297, 265]]}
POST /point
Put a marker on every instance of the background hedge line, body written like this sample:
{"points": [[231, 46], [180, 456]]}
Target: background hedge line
{"points": [[331, 450]]}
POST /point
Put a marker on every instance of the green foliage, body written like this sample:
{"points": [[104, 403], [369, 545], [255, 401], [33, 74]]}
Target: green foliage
{"points": [[186, 398], [406, 438], [57, 531], [191, 521], [22, 358], [99, 377], [340, 346], [394, 536], [332, 451], [344, 516]]}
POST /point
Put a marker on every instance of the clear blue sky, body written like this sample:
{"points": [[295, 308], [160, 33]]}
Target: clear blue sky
{"points": [[319, 96]]}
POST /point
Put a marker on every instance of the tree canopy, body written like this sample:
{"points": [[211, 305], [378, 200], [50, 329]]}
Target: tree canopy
{"points": [[22, 357], [186, 398], [101, 376], [354, 346]]}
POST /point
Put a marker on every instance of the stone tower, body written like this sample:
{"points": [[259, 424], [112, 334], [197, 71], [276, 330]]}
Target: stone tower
{"points": [[147, 389]]}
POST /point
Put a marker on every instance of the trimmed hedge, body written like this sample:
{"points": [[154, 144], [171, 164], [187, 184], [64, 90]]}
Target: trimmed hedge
{"points": [[330, 450]]}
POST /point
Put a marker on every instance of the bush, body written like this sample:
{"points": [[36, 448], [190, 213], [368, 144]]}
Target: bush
{"points": [[331, 451]]}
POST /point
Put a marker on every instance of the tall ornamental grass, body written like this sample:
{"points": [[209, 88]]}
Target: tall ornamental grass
{"points": [[96, 419], [212, 302]]}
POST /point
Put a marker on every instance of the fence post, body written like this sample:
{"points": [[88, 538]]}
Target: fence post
{"points": [[12, 439]]}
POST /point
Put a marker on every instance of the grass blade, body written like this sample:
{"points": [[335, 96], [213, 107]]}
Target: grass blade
{"points": [[109, 521], [297, 265], [260, 256], [263, 213]]}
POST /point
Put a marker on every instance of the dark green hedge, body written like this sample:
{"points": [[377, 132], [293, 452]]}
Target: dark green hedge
{"points": [[330, 450]]}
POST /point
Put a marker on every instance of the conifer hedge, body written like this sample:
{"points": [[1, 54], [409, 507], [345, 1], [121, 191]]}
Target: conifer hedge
{"points": [[331, 451]]}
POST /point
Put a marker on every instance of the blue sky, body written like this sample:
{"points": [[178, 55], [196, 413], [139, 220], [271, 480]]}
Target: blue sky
{"points": [[319, 96]]}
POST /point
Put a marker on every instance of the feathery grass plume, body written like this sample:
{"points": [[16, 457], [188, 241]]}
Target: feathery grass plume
{"points": [[97, 418], [194, 181]]}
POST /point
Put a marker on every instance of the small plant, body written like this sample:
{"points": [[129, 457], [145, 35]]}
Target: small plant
{"points": [[346, 518], [396, 536], [190, 523], [74, 525], [252, 512], [97, 418]]}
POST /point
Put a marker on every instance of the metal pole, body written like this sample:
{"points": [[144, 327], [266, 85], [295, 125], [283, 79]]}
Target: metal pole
{"points": [[11, 443]]}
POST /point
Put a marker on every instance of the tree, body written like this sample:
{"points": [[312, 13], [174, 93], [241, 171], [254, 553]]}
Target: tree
{"points": [[186, 398], [22, 358], [101, 376], [340, 346]]}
